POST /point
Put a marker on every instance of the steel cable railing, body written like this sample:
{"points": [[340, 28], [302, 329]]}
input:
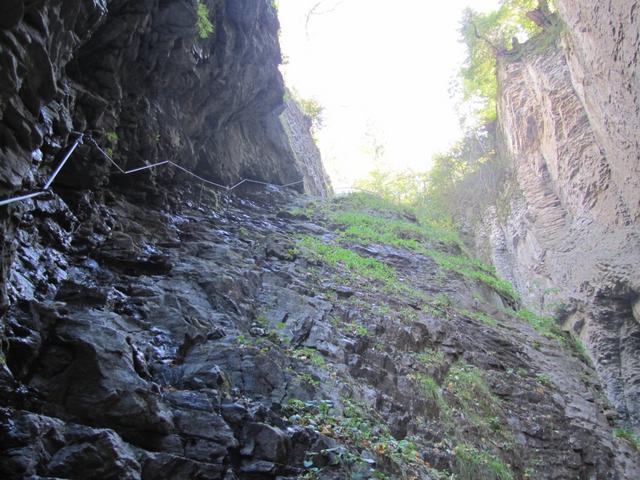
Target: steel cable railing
{"points": [[80, 139]]}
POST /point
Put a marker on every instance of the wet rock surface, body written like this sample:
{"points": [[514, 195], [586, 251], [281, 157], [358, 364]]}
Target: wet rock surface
{"points": [[149, 86], [202, 343]]}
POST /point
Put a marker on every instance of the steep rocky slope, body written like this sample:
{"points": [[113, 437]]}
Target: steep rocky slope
{"points": [[154, 329], [262, 337], [568, 235]]}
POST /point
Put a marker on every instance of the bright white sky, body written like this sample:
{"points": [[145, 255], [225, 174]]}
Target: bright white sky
{"points": [[381, 69]]}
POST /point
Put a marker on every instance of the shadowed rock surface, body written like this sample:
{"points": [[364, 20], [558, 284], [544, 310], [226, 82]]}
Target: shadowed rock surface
{"points": [[139, 78], [205, 343]]}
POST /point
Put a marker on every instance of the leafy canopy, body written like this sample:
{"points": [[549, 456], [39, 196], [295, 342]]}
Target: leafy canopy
{"points": [[485, 36]]}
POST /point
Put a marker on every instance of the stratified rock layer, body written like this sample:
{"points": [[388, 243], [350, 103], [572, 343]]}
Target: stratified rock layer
{"points": [[569, 122]]}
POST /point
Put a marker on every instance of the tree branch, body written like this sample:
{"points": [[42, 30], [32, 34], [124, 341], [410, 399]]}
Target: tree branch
{"points": [[495, 49], [315, 10]]}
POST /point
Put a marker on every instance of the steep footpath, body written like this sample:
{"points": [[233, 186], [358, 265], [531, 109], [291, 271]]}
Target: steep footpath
{"points": [[567, 236], [263, 337]]}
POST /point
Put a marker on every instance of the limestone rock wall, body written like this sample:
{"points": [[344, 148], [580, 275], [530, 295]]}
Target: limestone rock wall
{"points": [[569, 122]]}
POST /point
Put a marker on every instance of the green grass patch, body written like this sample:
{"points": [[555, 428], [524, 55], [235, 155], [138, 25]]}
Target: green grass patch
{"points": [[629, 436], [431, 391], [376, 203], [481, 317], [365, 228], [429, 357], [543, 325], [544, 379], [362, 225], [471, 268], [580, 350], [474, 464], [470, 398], [348, 259], [310, 355], [367, 219]]}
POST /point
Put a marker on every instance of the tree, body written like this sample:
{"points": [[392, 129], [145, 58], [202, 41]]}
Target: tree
{"points": [[486, 36]]}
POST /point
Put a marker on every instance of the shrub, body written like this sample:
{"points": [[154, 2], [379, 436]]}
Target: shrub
{"points": [[204, 25]]}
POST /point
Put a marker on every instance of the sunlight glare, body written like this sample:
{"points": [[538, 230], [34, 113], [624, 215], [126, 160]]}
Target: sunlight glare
{"points": [[382, 71]]}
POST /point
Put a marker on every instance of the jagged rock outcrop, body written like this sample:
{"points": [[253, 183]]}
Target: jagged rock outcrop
{"points": [[568, 118], [148, 86], [209, 342]]}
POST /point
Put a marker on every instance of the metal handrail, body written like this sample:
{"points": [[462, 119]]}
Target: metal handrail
{"points": [[80, 140]]}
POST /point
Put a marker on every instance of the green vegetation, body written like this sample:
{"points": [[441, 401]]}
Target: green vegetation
{"points": [[580, 350], [359, 430], [544, 325], [310, 355], [470, 395], [481, 317], [361, 224], [309, 106], [367, 219], [544, 379], [308, 379], [112, 139], [471, 176], [473, 464], [312, 108], [430, 357], [629, 436], [471, 268], [486, 35], [348, 259], [204, 25], [431, 390]]}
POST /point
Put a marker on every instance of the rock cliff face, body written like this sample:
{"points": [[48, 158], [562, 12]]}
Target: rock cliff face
{"points": [[155, 329], [297, 125], [148, 86], [569, 122]]}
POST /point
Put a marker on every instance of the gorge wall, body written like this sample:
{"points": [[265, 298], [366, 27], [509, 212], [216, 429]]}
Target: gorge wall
{"points": [[142, 80], [569, 117], [155, 329]]}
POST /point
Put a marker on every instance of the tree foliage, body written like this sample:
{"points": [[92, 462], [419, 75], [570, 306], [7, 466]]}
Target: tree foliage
{"points": [[204, 25], [466, 177], [487, 35], [470, 176], [311, 107]]}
